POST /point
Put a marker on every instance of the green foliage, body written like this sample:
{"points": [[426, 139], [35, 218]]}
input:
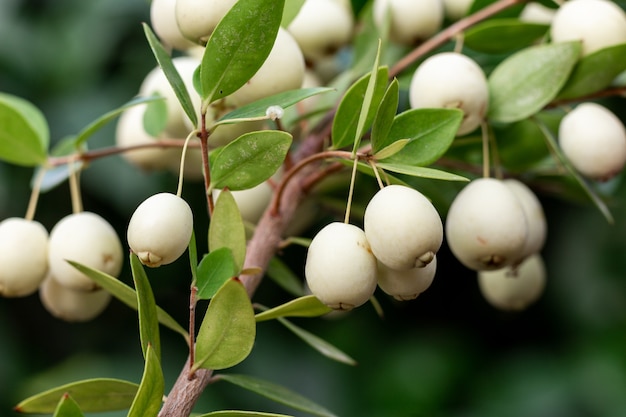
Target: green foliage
{"points": [[385, 115], [24, 134], [147, 402], [68, 408], [216, 267], [284, 277], [146, 307], [155, 117], [227, 230], [497, 36], [292, 7], [306, 306]]}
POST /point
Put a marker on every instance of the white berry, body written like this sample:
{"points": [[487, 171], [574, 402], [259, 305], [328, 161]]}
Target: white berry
{"points": [[406, 284], [411, 21], [486, 226], [454, 81], [23, 256], [88, 239], [340, 268], [160, 229], [198, 18], [514, 290], [456, 9], [402, 227], [597, 23], [72, 305], [594, 140], [535, 12], [163, 19]]}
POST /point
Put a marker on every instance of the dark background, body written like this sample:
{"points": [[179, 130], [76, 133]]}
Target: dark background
{"points": [[448, 353]]}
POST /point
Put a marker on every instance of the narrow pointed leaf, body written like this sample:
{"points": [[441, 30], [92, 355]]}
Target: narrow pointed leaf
{"points": [[391, 150], [67, 408], [250, 160], [228, 330], [502, 35], [24, 134], [284, 277], [146, 306], [276, 393], [56, 175], [155, 117], [369, 105], [385, 115], [240, 413], [318, 343], [528, 80], [344, 127], [430, 133], [93, 395], [422, 172], [173, 77], [217, 267], [149, 398], [193, 256], [292, 8], [227, 229], [238, 46], [595, 72], [306, 306], [128, 296]]}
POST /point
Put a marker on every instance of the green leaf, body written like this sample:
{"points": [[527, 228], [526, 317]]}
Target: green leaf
{"points": [[346, 119], [250, 159], [239, 413], [128, 296], [385, 115], [56, 175], [227, 332], [284, 100], [149, 398], [24, 134], [430, 133], [155, 117], [238, 46], [93, 395], [306, 306], [217, 267], [67, 408], [173, 77], [497, 36], [193, 256], [528, 80], [422, 172], [595, 72], [318, 344], [291, 10], [392, 149], [521, 145], [369, 105], [146, 306], [227, 229], [276, 393], [82, 136], [284, 277]]}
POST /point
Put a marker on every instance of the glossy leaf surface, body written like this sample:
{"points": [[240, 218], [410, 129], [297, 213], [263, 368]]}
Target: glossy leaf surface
{"points": [[496, 36], [422, 172], [67, 408], [24, 134], [227, 229], [306, 306], [146, 307], [385, 115], [217, 267], [149, 397], [284, 277]]}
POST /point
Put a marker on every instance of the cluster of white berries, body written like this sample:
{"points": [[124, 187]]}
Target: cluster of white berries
{"points": [[33, 260]]}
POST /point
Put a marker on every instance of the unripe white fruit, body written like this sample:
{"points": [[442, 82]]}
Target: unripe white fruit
{"points": [[537, 13], [163, 19], [340, 268], [156, 82], [402, 227], [88, 239], [486, 226], [23, 256], [160, 229], [321, 27], [597, 23], [535, 218], [594, 140], [411, 20], [198, 18], [514, 290], [283, 70], [456, 9], [72, 305], [130, 131], [406, 284], [451, 80]]}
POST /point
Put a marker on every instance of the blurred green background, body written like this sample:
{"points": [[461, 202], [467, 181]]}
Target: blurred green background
{"points": [[447, 353]]}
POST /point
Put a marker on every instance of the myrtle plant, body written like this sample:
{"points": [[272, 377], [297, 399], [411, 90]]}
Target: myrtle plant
{"points": [[491, 99]]}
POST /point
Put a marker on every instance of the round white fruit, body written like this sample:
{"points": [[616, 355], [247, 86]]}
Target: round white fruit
{"points": [[597, 23], [321, 27], [88, 239], [283, 70], [594, 140], [340, 268], [23, 256], [198, 18], [160, 229], [163, 19], [72, 305], [486, 225], [406, 284], [535, 217], [411, 21], [451, 80], [402, 227], [514, 290], [456, 9], [537, 13]]}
